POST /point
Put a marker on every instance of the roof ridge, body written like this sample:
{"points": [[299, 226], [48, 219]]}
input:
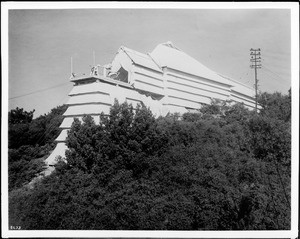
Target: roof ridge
{"points": [[138, 58], [134, 51], [171, 45], [155, 61]]}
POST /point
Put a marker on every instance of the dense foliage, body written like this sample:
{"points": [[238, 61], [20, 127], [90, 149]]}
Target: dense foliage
{"points": [[29, 140], [224, 168]]}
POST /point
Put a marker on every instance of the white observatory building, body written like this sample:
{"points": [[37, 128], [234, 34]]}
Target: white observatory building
{"points": [[165, 80]]}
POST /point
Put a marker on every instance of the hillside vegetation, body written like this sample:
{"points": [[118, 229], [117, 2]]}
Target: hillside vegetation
{"points": [[29, 142], [224, 168]]}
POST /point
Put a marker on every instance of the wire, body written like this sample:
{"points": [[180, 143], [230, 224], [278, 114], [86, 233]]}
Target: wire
{"points": [[271, 77], [37, 91], [273, 73], [281, 54], [274, 76], [245, 75], [51, 126]]}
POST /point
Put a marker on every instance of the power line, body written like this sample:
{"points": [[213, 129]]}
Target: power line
{"points": [[244, 76], [268, 75], [281, 54], [271, 77], [273, 73], [37, 91], [51, 125]]}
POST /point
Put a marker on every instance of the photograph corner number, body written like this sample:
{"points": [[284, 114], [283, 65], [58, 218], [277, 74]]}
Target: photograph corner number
{"points": [[14, 227]]}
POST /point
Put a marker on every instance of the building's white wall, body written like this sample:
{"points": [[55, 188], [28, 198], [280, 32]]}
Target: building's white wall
{"points": [[238, 98], [95, 98], [197, 87], [147, 80], [180, 84], [183, 102], [89, 109], [67, 122], [191, 91], [158, 76], [89, 98], [59, 150], [177, 91], [181, 88], [90, 88], [199, 82], [62, 136], [176, 109], [139, 85]]}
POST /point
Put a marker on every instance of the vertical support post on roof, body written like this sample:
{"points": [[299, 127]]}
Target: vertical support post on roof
{"points": [[71, 66], [94, 58]]}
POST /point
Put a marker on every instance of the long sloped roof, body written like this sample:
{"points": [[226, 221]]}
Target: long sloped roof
{"points": [[167, 55], [141, 59]]}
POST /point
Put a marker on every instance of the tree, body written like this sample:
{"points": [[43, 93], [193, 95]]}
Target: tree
{"points": [[24, 130], [20, 116], [276, 105], [29, 141], [21, 172], [228, 169], [125, 138]]}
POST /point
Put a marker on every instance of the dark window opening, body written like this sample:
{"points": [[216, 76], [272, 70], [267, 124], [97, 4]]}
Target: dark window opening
{"points": [[122, 75]]}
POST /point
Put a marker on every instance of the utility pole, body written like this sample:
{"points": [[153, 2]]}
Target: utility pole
{"points": [[255, 63]]}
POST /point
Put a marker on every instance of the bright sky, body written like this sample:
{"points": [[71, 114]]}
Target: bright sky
{"points": [[41, 43]]}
